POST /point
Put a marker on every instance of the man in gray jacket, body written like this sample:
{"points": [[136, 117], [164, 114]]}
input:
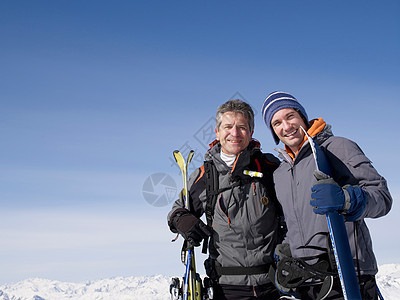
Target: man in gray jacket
{"points": [[244, 220], [356, 190]]}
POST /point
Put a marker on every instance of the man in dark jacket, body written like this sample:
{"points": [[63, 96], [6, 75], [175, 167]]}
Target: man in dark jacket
{"points": [[244, 226], [356, 190]]}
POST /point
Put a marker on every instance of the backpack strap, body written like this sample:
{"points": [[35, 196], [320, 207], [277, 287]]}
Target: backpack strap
{"points": [[212, 185]]}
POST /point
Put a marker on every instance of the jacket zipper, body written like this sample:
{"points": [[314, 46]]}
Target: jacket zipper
{"points": [[255, 200]]}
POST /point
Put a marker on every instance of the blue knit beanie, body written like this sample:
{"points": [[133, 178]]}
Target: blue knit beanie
{"points": [[277, 101]]}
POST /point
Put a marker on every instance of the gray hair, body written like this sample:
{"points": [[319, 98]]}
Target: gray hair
{"points": [[237, 106]]}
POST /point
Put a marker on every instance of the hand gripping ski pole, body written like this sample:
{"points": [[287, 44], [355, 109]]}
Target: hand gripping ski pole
{"points": [[191, 288], [338, 234]]}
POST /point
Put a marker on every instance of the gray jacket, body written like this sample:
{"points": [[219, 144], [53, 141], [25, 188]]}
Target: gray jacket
{"points": [[293, 182], [244, 229]]}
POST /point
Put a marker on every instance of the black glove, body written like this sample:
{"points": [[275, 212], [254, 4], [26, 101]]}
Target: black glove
{"points": [[190, 227]]}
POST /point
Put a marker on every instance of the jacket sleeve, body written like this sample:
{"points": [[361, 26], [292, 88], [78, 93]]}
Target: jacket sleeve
{"points": [[351, 166], [196, 187]]}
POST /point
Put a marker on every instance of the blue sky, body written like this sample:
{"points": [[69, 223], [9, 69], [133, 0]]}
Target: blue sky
{"points": [[96, 95]]}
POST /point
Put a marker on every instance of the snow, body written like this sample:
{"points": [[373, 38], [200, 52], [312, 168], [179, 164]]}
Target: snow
{"points": [[142, 288], [388, 280]]}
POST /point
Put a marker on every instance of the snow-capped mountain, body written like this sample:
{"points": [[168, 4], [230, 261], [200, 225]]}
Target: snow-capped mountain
{"points": [[141, 288], [118, 288]]}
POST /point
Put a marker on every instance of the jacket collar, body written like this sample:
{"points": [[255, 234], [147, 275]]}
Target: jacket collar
{"points": [[319, 130], [242, 159]]}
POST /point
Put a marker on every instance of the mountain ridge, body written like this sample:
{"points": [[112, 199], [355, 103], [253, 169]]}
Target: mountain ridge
{"points": [[141, 287]]}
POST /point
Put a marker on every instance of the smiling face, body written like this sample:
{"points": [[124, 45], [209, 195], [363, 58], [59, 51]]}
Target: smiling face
{"points": [[233, 133], [286, 124]]}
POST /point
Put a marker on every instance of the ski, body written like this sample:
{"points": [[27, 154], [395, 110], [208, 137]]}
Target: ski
{"points": [[338, 234], [191, 285]]}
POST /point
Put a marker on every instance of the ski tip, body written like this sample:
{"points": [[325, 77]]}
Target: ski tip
{"points": [[190, 156], [177, 155]]}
